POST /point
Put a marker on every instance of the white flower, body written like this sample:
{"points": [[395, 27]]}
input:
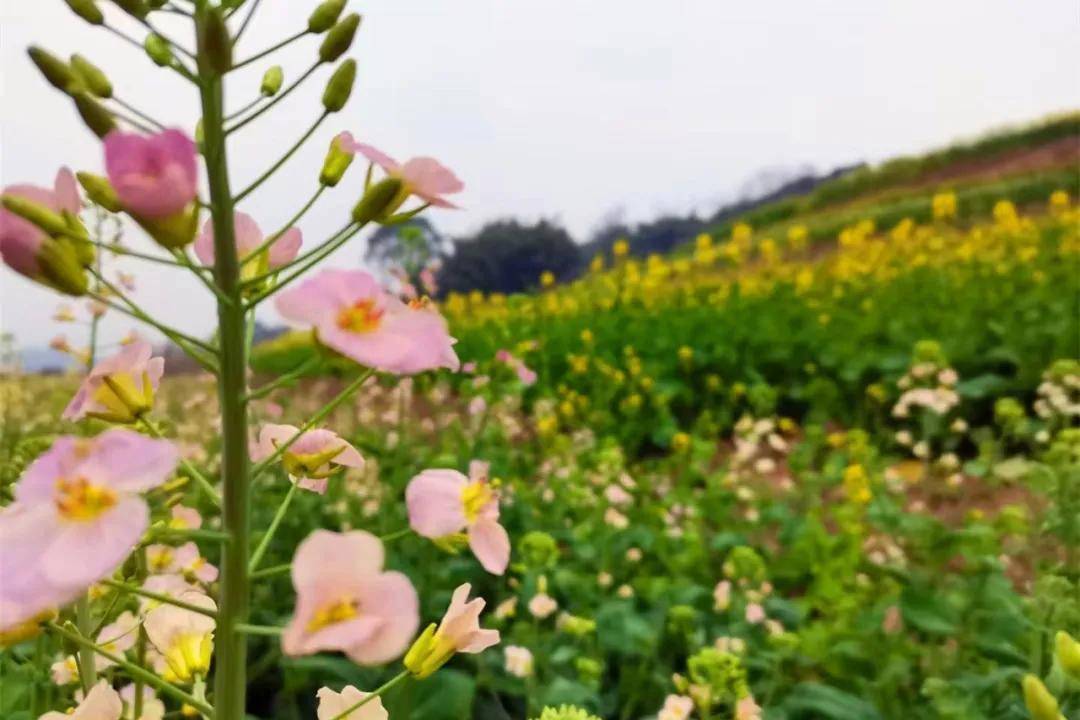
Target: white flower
{"points": [[519, 661]]}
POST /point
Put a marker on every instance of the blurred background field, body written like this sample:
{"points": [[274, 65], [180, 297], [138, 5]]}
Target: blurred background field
{"points": [[822, 445]]}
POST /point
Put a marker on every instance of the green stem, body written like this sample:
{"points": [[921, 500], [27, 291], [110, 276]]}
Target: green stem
{"points": [[187, 534], [230, 676], [245, 108], [312, 422], [159, 597], [267, 51], [272, 570], [283, 159], [395, 535], [140, 641], [134, 670], [115, 250], [268, 630], [87, 669], [204, 484], [264, 543], [278, 98], [285, 379], [183, 260], [184, 342], [299, 259], [244, 25], [381, 690], [292, 221], [138, 112]]}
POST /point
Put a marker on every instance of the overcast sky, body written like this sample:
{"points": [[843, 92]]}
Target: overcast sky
{"points": [[565, 109]]}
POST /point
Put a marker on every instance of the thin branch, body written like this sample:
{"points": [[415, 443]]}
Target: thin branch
{"points": [[284, 228], [267, 51], [268, 630], [204, 484], [139, 113], [247, 19], [190, 55], [159, 597], [241, 111], [381, 690], [183, 259], [284, 158], [279, 515], [271, 571], [285, 379], [278, 98], [118, 250], [316, 256], [138, 125]]}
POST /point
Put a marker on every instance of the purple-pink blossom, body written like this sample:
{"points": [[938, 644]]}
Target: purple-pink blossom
{"points": [[249, 236], [312, 458], [346, 601], [443, 503], [120, 388], [353, 315], [154, 176], [424, 177], [20, 239]]}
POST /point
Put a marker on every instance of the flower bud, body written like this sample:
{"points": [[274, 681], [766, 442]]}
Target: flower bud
{"points": [[91, 76], [99, 190], [174, 231], [158, 49], [339, 87], [52, 222], [53, 68], [1040, 703], [378, 201], [214, 41], [334, 166], [271, 81], [339, 38], [97, 118], [61, 268], [427, 654], [325, 15], [87, 10], [1067, 652], [135, 8]]}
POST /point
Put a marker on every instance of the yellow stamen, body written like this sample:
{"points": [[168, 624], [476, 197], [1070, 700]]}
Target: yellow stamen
{"points": [[362, 317], [332, 614], [474, 497], [79, 499]]}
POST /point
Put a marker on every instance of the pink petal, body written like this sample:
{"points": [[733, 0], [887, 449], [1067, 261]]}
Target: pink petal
{"points": [[324, 554], [66, 191], [286, 247], [392, 598], [491, 545], [431, 180], [130, 461], [434, 502], [375, 155], [79, 553]]}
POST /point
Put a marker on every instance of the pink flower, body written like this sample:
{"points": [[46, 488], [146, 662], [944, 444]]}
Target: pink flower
{"points": [[20, 239], [117, 637], [424, 177], [248, 238], [525, 375], [185, 518], [755, 614], [153, 709], [101, 703], [747, 709], [82, 511], [183, 637], [121, 388], [25, 594], [184, 560], [154, 176], [353, 315], [459, 631], [444, 503], [344, 600], [312, 458], [332, 705]]}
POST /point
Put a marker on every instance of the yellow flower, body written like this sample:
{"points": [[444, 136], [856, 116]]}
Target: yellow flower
{"points": [[547, 279], [680, 442], [621, 248], [857, 484], [797, 236], [943, 206]]}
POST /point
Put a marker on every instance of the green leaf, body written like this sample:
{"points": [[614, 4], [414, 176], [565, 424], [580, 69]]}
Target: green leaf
{"points": [[925, 611], [813, 700], [446, 695]]}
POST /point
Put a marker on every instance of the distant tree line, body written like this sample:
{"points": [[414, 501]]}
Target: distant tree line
{"points": [[508, 256]]}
